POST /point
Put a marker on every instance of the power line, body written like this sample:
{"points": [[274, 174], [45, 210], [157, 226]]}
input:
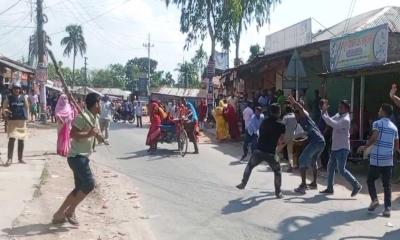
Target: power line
{"points": [[10, 7]]}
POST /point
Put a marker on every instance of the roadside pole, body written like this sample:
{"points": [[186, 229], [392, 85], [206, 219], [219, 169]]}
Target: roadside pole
{"points": [[41, 68]]}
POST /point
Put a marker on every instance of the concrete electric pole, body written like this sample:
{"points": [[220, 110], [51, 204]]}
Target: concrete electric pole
{"points": [[85, 69], [148, 45], [41, 57]]}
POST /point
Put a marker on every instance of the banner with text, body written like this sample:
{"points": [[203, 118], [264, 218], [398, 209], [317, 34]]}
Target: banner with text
{"points": [[361, 49]]}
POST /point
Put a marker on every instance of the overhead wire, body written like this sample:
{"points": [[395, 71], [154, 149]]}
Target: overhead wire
{"points": [[10, 7]]}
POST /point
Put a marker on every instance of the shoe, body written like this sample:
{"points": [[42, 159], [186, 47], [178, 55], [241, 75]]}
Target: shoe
{"points": [[8, 163], [312, 186], [242, 159], [301, 189], [356, 191], [374, 204], [279, 195], [386, 212], [327, 192], [241, 186], [21, 161]]}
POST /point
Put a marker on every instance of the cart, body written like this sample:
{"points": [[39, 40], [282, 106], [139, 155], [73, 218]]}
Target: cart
{"points": [[175, 133]]}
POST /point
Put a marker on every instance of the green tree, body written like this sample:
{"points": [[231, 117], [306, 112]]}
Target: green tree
{"points": [[201, 18], [200, 59], [188, 76], [141, 64], [74, 43], [254, 51], [240, 15], [168, 80], [111, 77]]}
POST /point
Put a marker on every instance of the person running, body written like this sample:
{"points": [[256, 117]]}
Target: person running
{"points": [[16, 107], [247, 116], [192, 126], [252, 132], [311, 153], [290, 122], [271, 140], [340, 123], [83, 137], [384, 139], [139, 114]]}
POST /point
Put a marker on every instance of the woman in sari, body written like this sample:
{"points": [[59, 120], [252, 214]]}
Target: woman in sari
{"points": [[64, 114], [231, 118], [156, 115], [221, 124]]}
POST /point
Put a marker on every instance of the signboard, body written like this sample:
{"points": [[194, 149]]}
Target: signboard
{"points": [[41, 74], [361, 49], [297, 35], [221, 60], [143, 86]]}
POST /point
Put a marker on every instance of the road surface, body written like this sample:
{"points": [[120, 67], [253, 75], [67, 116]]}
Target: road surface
{"points": [[195, 198]]}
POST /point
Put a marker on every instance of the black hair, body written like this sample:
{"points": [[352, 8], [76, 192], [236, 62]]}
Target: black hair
{"points": [[387, 109], [275, 110], [346, 104], [91, 100]]}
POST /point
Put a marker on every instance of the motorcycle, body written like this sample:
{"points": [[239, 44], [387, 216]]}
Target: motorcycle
{"points": [[130, 117]]}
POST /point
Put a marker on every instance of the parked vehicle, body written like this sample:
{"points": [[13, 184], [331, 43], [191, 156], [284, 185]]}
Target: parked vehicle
{"points": [[120, 117]]}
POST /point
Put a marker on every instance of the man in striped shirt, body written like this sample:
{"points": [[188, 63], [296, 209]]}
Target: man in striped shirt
{"points": [[385, 140]]}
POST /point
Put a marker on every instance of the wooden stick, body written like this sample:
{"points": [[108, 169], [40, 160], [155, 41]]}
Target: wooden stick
{"points": [[99, 137]]}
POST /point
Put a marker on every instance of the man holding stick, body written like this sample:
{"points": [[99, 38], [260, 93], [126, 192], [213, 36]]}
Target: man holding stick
{"points": [[83, 136]]}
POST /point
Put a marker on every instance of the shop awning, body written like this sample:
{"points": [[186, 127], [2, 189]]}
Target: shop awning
{"points": [[15, 66], [54, 88]]}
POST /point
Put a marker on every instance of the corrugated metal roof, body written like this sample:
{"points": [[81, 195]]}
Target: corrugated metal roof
{"points": [[114, 92], [389, 15], [15, 65], [182, 92]]}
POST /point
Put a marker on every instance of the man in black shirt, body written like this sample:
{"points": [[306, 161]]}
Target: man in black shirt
{"points": [[271, 139]]}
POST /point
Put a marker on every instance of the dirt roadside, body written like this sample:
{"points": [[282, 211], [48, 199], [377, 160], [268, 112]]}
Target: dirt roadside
{"points": [[111, 211]]}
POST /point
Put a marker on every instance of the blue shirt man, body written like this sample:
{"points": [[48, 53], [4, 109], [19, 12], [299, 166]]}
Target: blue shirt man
{"points": [[252, 132]]}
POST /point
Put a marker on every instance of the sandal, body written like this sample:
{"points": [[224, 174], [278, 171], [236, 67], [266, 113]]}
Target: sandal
{"points": [[72, 219], [21, 161]]}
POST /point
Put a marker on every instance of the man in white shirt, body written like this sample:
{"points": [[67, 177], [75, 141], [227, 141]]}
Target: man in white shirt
{"points": [[139, 114], [106, 116], [252, 123]]}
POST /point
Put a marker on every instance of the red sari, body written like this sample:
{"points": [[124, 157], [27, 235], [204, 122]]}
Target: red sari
{"points": [[155, 123], [202, 111], [231, 118]]}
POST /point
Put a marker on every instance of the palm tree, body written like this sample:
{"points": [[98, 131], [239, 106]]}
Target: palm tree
{"points": [[33, 47], [74, 42]]}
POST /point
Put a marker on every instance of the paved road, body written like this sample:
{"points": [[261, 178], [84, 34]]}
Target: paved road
{"points": [[194, 197]]}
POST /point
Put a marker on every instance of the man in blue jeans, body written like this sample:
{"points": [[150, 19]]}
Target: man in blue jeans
{"points": [[311, 153], [252, 132], [340, 123], [384, 139], [83, 137]]}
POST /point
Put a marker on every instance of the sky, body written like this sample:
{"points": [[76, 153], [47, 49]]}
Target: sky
{"points": [[115, 30]]}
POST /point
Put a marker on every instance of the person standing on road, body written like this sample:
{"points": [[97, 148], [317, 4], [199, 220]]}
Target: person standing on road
{"points": [[203, 109], [253, 123], [34, 103], [107, 109], [65, 114], [156, 114], [231, 118], [221, 129], [384, 139], [16, 107], [340, 123], [83, 137], [270, 141], [289, 120], [139, 114], [311, 153]]}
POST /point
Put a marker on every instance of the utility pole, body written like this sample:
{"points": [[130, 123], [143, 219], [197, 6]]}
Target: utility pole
{"points": [[41, 56], [85, 69], [148, 45]]}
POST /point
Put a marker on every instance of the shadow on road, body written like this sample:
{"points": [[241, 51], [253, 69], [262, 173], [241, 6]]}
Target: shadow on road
{"points": [[319, 227], [316, 199], [241, 205], [35, 230], [160, 154]]}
